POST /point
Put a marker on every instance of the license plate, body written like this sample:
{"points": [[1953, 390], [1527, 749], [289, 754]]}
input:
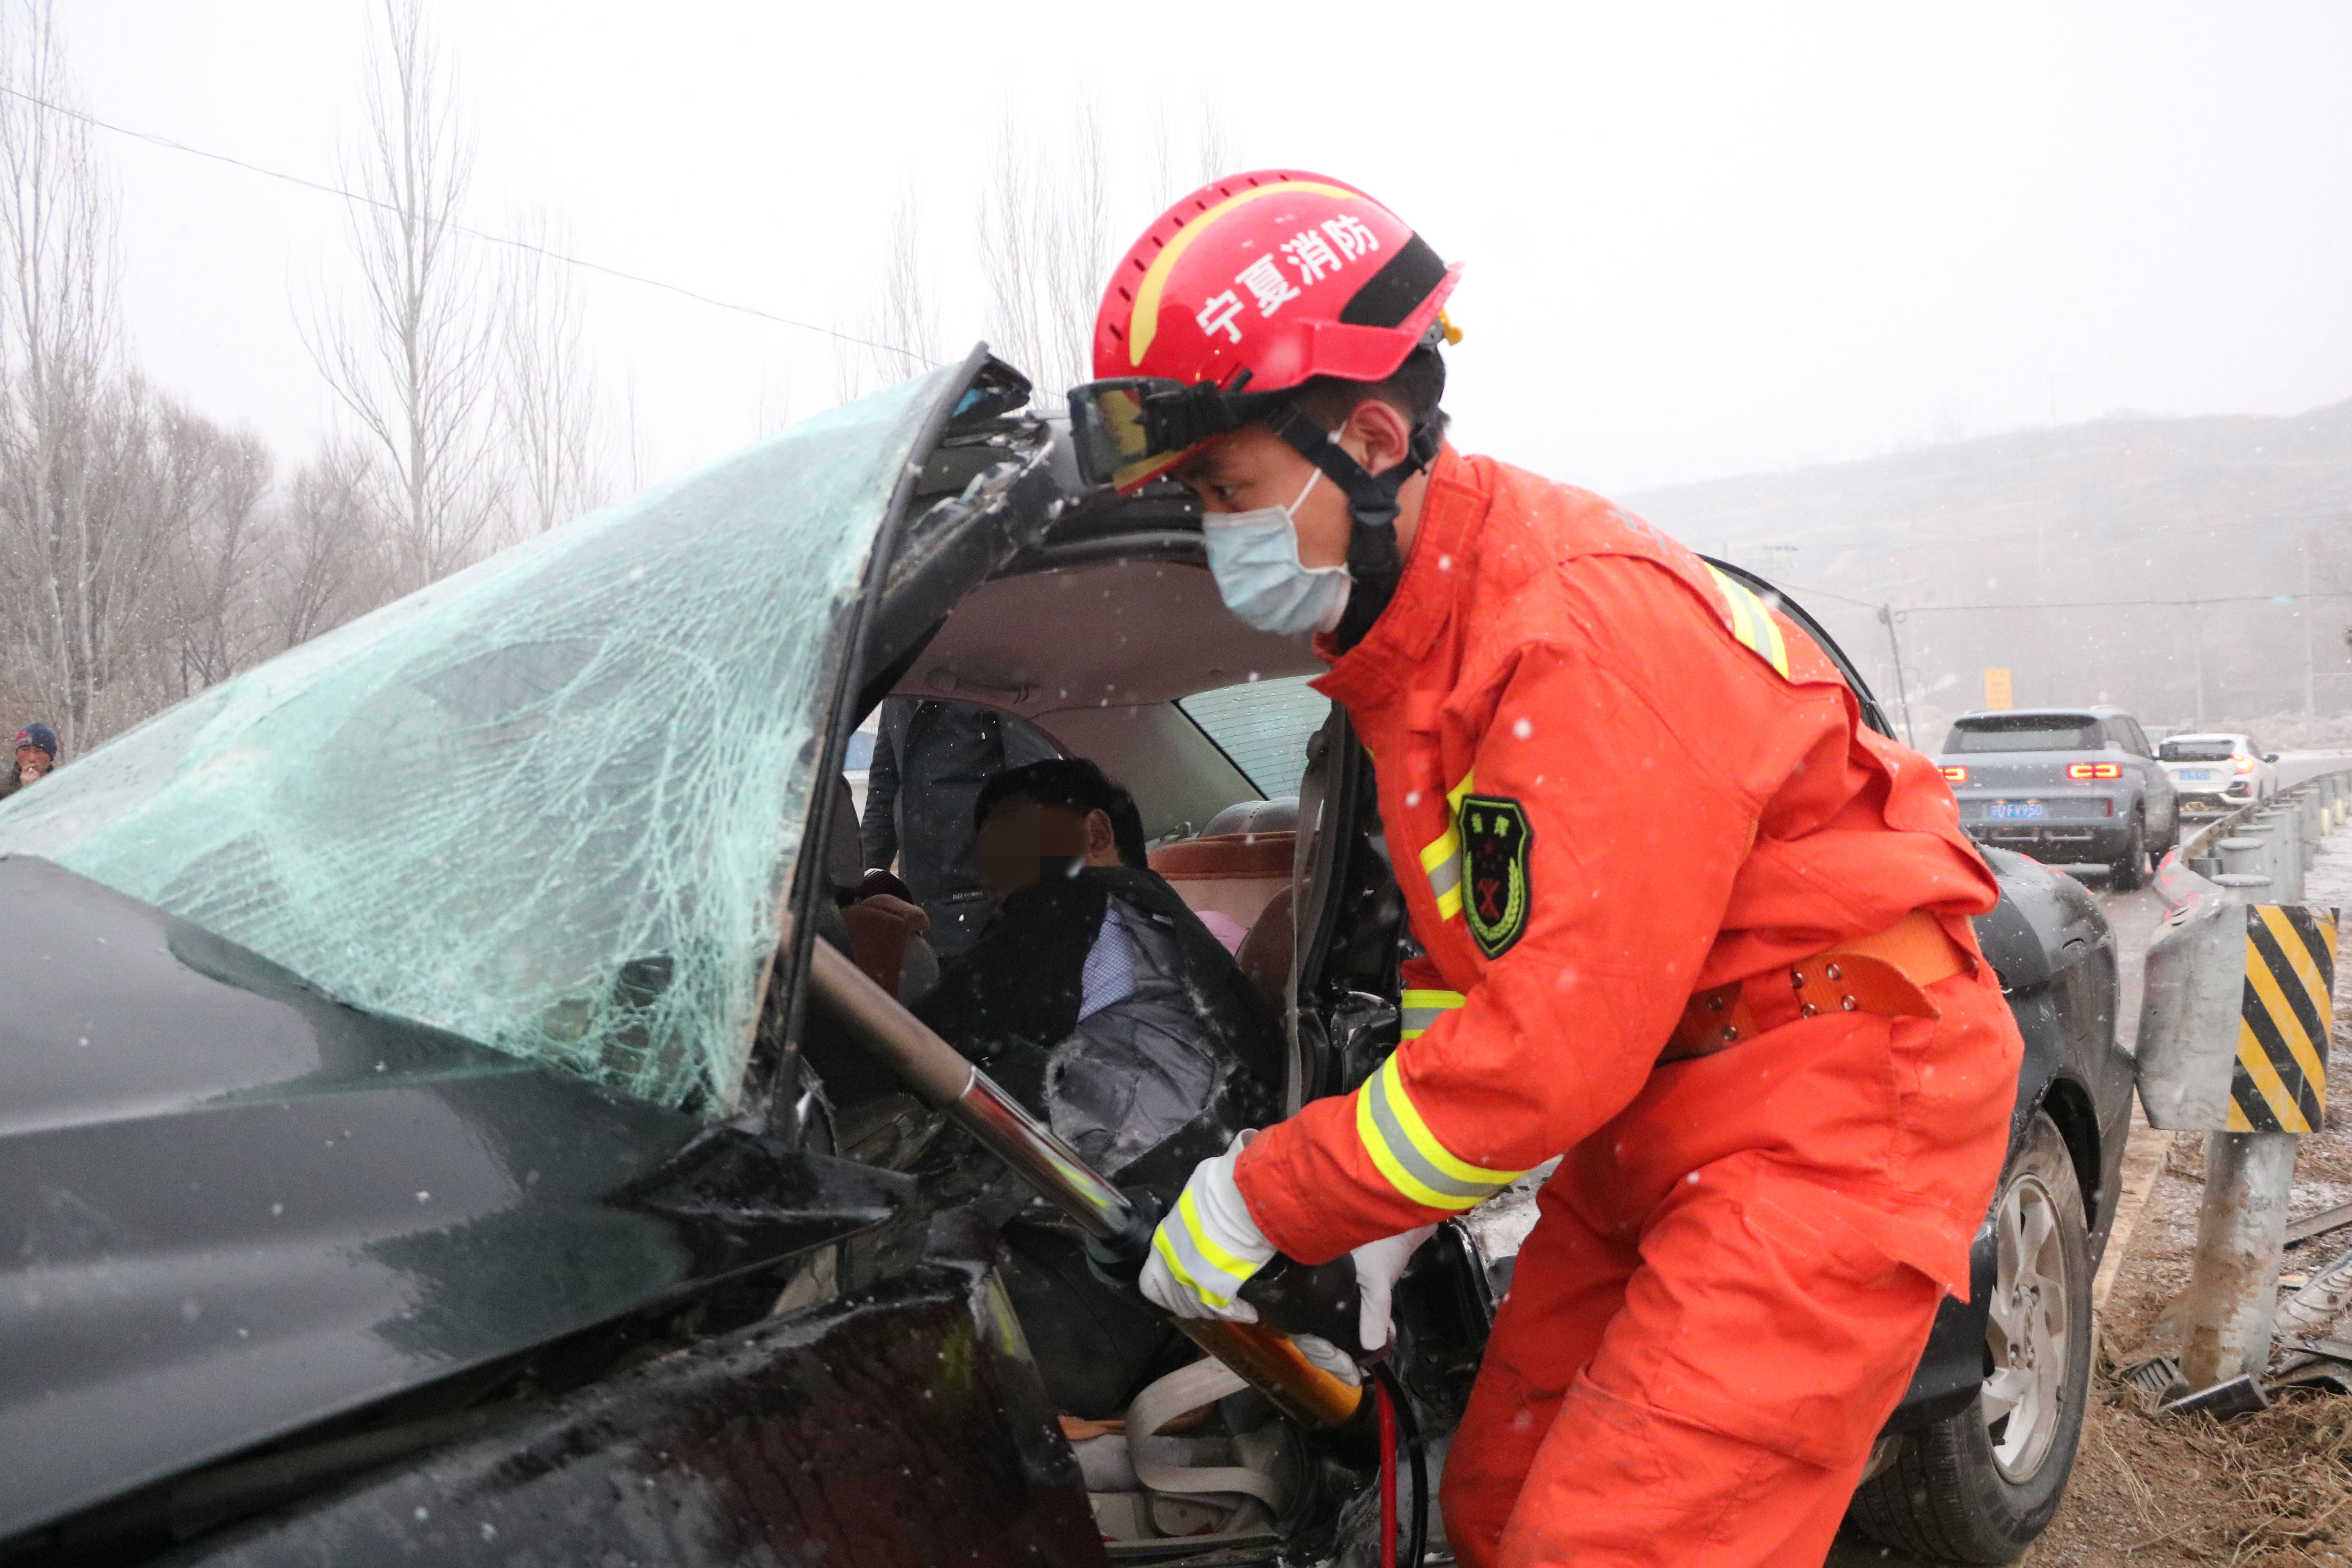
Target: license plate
{"points": [[2197, 773], [2016, 811]]}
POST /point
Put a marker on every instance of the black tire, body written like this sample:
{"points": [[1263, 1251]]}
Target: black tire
{"points": [[2130, 871], [1961, 1490]]}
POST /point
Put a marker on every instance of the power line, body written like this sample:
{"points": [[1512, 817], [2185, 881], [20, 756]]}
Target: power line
{"points": [[2074, 604], [487, 237], [2141, 603]]}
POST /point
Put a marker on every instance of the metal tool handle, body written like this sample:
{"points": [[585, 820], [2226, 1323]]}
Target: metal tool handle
{"points": [[941, 1077]]}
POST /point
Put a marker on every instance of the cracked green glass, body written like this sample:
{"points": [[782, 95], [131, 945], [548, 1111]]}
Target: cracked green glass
{"points": [[550, 804]]}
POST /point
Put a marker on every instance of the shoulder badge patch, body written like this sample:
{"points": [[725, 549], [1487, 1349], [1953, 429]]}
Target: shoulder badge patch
{"points": [[1496, 838]]}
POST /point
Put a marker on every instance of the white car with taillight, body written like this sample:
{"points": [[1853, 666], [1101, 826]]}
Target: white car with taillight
{"points": [[2218, 772]]}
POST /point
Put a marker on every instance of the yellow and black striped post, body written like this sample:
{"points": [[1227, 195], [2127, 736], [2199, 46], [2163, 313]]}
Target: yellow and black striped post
{"points": [[2279, 1083]]}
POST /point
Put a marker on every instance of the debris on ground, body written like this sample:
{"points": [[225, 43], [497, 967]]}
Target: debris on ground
{"points": [[2273, 1487]]}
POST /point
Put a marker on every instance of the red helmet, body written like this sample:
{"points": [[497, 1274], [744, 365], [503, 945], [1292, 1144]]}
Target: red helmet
{"points": [[1265, 281]]}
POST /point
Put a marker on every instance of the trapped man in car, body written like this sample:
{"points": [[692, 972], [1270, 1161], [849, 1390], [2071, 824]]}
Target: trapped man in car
{"points": [[1094, 994], [1100, 1000], [930, 760], [1684, 921]]}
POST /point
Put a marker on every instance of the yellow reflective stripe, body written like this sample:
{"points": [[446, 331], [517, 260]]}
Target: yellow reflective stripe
{"points": [[1408, 1154], [1440, 849], [1440, 857], [1735, 605], [1753, 623], [1419, 1009], [1442, 863], [1191, 1255]]}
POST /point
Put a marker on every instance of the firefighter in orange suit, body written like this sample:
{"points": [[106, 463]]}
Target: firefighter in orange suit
{"points": [[1683, 921]]}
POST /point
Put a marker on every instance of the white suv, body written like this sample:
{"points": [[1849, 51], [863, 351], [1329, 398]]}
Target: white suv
{"points": [[2218, 773]]}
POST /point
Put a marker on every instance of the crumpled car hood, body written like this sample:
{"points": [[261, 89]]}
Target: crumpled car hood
{"points": [[231, 1206]]}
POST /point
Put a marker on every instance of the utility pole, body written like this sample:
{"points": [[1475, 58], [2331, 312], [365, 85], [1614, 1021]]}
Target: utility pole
{"points": [[1902, 692], [2310, 650], [2198, 644]]}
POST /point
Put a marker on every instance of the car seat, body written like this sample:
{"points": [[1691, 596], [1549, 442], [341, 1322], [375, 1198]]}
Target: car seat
{"points": [[1235, 874]]}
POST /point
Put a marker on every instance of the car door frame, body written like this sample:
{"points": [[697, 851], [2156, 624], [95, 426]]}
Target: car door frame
{"points": [[778, 1091]]}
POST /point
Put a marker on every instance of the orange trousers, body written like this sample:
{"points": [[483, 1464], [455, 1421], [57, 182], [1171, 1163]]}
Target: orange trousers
{"points": [[1697, 1353]]}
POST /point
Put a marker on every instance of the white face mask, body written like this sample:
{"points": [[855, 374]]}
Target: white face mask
{"points": [[1255, 556]]}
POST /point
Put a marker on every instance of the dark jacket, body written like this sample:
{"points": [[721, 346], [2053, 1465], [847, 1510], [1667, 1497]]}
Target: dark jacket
{"points": [[1144, 1089], [1151, 1085], [930, 760]]}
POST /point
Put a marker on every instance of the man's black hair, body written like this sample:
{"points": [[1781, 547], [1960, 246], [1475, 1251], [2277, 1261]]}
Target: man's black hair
{"points": [[1073, 784], [1413, 389]]}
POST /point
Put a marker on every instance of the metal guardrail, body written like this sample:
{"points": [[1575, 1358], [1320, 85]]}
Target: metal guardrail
{"points": [[2323, 804], [2234, 1043]]}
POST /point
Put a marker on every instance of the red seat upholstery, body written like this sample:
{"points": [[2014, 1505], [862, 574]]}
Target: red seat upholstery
{"points": [[1233, 873]]}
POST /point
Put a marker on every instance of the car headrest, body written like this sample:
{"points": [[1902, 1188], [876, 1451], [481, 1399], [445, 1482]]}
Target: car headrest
{"points": [[1279, 815]]}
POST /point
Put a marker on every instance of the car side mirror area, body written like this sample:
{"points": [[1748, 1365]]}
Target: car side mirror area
{"points": [[2269, 756]]}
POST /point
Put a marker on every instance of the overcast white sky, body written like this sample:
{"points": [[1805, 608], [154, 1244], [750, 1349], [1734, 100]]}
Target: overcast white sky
{"points": [[1700, 239]]}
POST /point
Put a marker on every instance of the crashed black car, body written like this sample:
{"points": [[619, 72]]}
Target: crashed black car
{"points": [[423, 1137]]}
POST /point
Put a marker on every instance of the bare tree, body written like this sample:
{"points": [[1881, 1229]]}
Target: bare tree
{"points": [[213, 484], [73, 572], [326, 562], [554, 424], [1213, 152], [899, 334], [1045, 225], [416, 366], [774, 409], [907, 322]]}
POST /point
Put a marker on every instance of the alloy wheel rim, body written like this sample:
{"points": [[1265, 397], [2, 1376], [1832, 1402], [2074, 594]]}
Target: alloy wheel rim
{"points": [[2026, 1334]]}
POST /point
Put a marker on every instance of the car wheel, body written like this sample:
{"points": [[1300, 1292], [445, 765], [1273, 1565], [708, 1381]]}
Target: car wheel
{"points": [[1978, 1487], [2130, 869]]}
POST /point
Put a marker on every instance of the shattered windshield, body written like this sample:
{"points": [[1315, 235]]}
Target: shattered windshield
{"points": [[550, 804]]}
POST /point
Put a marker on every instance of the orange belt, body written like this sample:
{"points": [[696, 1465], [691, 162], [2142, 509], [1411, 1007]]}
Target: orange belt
{"points": [[1887, 975]]}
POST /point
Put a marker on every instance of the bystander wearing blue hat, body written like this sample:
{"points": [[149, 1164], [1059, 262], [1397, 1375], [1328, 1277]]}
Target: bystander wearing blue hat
{"points": [[37, 753]]}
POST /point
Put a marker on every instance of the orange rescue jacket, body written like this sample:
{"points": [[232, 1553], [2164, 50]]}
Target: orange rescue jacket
{"points": [[1608, 776]]}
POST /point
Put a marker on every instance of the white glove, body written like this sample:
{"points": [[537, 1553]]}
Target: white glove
{"points": [[1378, 1266], [1207, 1246], [1321, 1353]]}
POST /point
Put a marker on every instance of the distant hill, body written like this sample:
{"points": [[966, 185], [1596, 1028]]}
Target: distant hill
{"points": [[2233, 511]]}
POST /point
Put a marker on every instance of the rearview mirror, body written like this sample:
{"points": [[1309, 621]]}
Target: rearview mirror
{"points": [[2269, 756]]}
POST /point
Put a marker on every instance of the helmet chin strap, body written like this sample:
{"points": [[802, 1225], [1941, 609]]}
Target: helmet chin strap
{"points": [[1373, 564]]}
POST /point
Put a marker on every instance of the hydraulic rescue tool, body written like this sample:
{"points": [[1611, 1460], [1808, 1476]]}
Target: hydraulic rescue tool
{"points": [[1291, 1297]]}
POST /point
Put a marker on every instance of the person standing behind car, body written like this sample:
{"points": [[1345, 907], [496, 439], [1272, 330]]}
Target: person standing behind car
{"points": [[37, 753], [930, 760]]}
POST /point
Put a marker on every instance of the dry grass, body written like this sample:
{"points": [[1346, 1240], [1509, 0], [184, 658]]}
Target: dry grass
{"points": [[2275, 1488], [2286, 1476], [2154, 1491]]}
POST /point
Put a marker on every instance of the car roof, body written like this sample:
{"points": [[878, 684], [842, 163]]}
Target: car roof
{"points": [[1114, 631], [2092, 710]]}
